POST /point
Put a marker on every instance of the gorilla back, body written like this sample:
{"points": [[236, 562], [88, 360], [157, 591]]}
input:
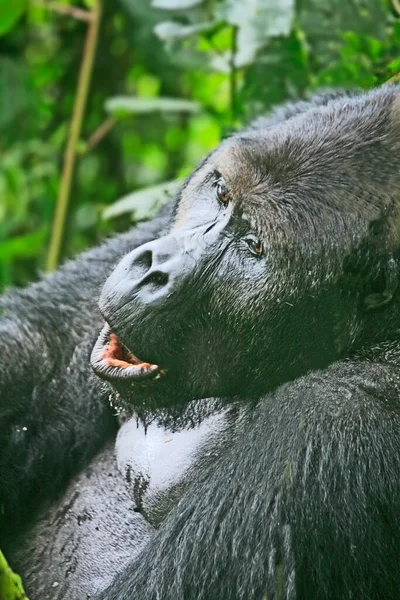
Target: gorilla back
{"points": [[274, 290]]}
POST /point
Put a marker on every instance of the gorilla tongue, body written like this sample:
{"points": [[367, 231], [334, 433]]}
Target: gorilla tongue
{"points": [[111, 360]]}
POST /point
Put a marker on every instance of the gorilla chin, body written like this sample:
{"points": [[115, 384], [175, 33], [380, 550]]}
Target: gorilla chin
{"points": [[136, 383], [142, 385]]}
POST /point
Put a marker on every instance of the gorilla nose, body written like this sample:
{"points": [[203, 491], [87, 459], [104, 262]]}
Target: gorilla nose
{"points": [[147, 274]]}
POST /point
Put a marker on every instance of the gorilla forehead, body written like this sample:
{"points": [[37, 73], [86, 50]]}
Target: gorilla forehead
{"points": [[310, 166]]}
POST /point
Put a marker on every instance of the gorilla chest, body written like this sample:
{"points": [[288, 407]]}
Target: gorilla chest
{"points": [[159, 461]]}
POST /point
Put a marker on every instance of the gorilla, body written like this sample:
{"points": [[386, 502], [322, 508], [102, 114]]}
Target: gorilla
{"points": [[248, 341]]}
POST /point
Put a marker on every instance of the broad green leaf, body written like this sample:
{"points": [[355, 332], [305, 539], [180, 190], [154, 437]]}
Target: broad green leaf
{"points": [[10, 583], [23, 246], [170, 30], [394, 66], [257, 21], [175, 4], [10, 12], [144, 203], [267, 18], [123, 106], [86, 216]]}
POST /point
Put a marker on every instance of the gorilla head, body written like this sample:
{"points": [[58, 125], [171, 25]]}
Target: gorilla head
{"points": [[282, 242]]}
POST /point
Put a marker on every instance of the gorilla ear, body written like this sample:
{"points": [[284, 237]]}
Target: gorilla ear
{"points": [[390, 281]]}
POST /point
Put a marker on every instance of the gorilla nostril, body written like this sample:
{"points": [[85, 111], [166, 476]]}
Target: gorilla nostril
{"points": [[154, 281], [140, 265], [145, 260]]}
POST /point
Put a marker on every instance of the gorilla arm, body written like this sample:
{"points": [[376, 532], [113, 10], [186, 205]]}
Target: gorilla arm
{"points": [[311, 482], [54, 413]]}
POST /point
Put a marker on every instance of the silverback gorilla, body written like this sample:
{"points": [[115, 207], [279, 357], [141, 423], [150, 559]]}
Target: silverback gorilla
{"points": [[249, 339]]}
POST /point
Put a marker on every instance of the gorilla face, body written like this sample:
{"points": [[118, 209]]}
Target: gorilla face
{"points": [[249, 288]]}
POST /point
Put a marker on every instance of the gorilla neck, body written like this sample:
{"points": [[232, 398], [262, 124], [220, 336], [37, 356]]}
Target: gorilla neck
{"points": [[180, 416]]}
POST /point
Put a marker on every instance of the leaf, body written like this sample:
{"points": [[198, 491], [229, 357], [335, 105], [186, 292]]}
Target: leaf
{"points": [[23, 246], [257, 21], [175, 4], [16, 93], [145, 202], [10, 583], [10, 12], [169, 30], [324, 22], [394, 65], [86, 216], [123, 106]]}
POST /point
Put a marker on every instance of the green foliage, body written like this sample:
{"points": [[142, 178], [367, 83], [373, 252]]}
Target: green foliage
{"points": [[145, 202], [256, 22], [10, 583], [175, 4], [171, 78], [124, 106], [10, 12]]}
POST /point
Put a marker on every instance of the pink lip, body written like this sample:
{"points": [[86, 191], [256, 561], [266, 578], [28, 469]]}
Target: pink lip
{"points": [[111, 360]]}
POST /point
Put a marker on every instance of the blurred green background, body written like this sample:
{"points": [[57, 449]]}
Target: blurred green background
{"points": [[170, 78]]}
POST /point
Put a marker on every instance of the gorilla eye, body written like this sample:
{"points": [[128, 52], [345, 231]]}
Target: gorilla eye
{"points": [[222, 192], [254, 244]]}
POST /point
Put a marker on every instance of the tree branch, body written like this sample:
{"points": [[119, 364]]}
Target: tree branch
{"points": [[58, 226]]}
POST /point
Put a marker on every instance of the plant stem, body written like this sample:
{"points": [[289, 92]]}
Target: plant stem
{"points": [[100, 133], [232, 78], [66, 9], [82, 90]]}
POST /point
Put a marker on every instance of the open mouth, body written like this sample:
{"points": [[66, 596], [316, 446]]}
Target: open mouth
{"points": [[111, 360]]}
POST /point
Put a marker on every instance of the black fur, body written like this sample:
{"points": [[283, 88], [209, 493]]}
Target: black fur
{"points": [[54, 412], [301, 497], [304, 505]]}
